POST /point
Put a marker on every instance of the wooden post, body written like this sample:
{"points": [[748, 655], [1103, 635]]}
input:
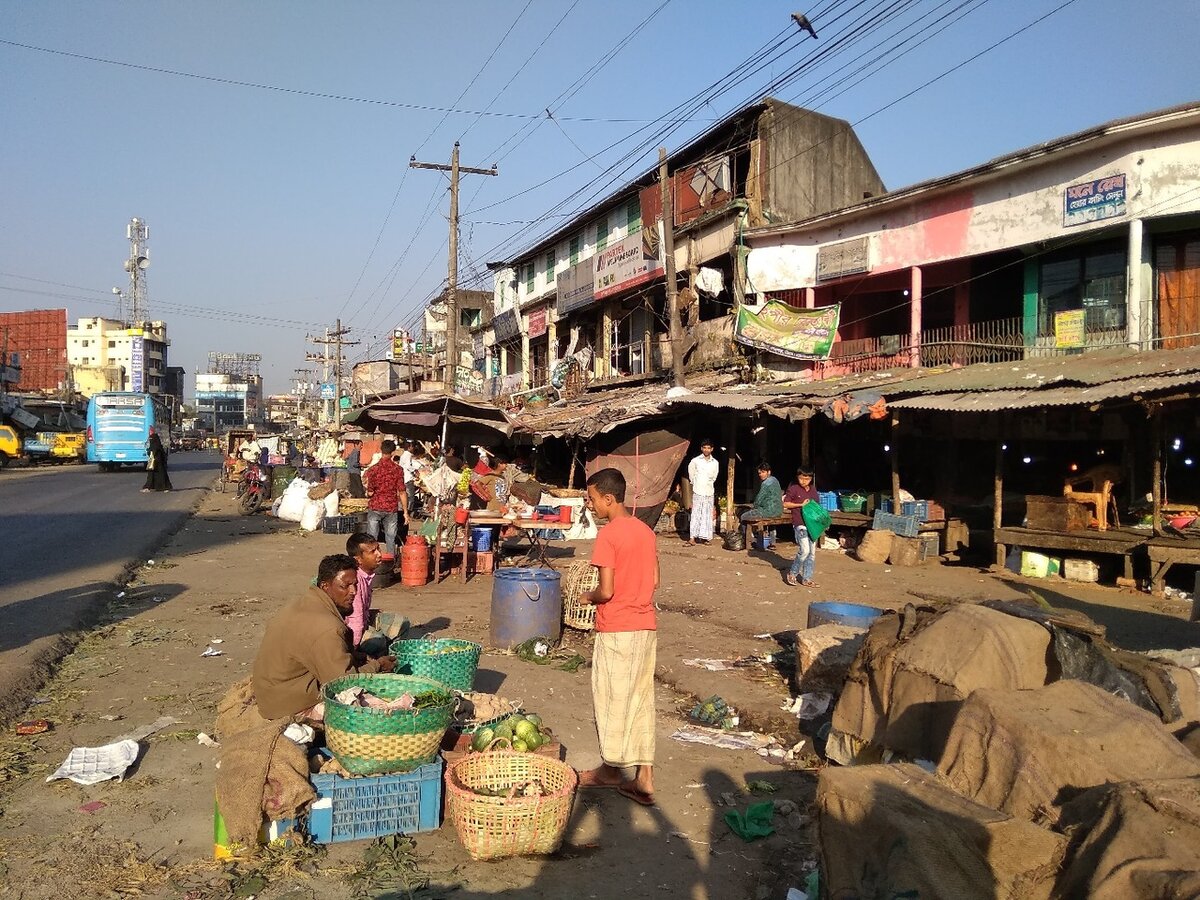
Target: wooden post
{"points": [[668, 240], [998, 499], [806, 443], [574, 459], [1156, 490], [894, 453], [730, 468]]}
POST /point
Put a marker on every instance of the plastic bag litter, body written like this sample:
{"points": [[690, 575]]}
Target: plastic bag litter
{"points": [[92, 765]]}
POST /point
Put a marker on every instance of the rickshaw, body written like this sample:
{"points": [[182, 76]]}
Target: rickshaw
{"points": [[231, 470]]}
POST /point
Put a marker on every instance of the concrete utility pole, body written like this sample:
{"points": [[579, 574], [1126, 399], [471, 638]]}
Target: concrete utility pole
{"points": [[335, 338], [452, 274], [668, 246]]}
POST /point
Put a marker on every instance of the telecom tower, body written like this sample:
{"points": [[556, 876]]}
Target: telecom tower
{"points": [[138, 233]]}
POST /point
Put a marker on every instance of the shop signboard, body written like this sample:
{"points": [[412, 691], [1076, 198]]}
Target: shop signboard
{"points": [[401, 344], [1068, 329], [467, 381], [576, 287], [537, 322], [506, 326], [1094, 201], [851, 257], [328, 390], [622, 266], [137, 364], [787, 331]]}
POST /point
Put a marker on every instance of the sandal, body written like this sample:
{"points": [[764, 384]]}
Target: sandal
{"points": [[808, 584], [791, 579]]}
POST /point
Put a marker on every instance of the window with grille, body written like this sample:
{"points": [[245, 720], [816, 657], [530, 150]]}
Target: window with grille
{"points": [[529, 278], [550, 264], [1092, 279], [602, 234], [575, 242], [633, 215]]}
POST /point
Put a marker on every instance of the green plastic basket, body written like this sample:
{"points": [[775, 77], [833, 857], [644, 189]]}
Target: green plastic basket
{"points": [[377, 742], [852, 503], [449, 660]]}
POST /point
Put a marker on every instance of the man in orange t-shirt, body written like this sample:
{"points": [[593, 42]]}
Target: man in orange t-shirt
{"points": [[626, 642]]}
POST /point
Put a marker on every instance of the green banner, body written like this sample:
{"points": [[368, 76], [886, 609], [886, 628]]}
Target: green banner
{"points": [[787, 331]]}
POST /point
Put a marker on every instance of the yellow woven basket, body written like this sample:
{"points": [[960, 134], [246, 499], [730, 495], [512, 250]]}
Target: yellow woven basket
{"points": [[498, 827], [581, 577]]}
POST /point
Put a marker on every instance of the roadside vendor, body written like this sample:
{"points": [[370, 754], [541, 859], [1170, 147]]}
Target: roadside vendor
{"points": [[307, 644]]}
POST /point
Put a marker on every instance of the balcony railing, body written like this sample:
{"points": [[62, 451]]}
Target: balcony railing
{"points": [[1000, 340]]}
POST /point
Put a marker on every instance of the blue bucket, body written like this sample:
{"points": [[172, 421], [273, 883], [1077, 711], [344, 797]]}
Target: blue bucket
{"points": [[526, 603], [853, 614], [481, 539]]}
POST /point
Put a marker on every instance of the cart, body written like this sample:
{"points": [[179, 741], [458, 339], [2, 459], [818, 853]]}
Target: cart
{"points": [[231, 466]]}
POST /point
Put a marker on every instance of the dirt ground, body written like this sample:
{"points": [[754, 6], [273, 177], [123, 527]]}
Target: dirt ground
{"points": [[222, 576]]}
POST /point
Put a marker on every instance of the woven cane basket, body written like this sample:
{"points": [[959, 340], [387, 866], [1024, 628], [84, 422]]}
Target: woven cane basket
{"points": [[451, 661], [581, 577], [499, 827], [379, 742]]}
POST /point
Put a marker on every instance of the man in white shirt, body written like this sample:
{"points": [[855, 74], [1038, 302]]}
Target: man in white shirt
{"points": [[702, 472], [408, 463]]}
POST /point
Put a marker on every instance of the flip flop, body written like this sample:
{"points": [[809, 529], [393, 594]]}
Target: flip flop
{"points": [[639, 797]]}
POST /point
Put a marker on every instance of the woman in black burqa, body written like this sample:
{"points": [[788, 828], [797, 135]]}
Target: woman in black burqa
{"points": [[156, 465]]}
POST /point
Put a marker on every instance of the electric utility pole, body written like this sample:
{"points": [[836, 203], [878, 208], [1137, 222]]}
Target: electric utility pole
{"points": [[668, 246], [452, 274], [335, 338]]}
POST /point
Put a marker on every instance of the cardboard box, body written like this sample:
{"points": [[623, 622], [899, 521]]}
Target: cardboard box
{"points": [[1056, 514], [1081, 570], [1038, 565]]}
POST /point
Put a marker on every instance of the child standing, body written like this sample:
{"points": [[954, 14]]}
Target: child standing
{"points": [[626, 642]]}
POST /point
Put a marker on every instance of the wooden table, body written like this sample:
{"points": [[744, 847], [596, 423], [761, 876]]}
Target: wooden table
{"points": [[1122, 542], [1166, 552], [530, 529]]}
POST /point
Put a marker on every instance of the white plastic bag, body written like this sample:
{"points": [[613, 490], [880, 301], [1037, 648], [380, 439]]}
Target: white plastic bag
{"points": [[314, 512], [331, 503]]}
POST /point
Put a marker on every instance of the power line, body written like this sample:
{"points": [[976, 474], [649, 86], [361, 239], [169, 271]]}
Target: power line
{"points": [[300, 92]]}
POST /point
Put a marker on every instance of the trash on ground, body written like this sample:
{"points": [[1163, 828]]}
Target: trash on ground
{"points": [[112, 717], [94, 806], [216, 641], [726, 740], [754, 823], [206, 740], [212, 651], [761, 786], [140, 734], [809, 706], [92, 765], [716, 713], [34, 726]]}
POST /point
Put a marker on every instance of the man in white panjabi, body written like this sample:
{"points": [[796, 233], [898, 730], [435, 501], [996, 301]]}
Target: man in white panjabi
{"points": [[702, 472]]}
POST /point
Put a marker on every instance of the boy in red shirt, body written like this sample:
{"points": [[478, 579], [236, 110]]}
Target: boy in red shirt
{"points": [[626, 642]]}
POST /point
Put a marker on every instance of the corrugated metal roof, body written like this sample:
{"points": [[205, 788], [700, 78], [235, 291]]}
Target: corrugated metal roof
{"points": [[993, 401]]}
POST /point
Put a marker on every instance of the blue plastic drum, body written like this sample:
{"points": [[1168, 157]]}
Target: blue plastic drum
{"points": [[526, 603], [854, 614]]}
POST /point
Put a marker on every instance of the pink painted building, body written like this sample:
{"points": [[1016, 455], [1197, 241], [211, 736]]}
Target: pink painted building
{"points": [[1089, 240]]}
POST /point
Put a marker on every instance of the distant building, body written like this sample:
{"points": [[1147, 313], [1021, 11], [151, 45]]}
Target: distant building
{"points": [[38, 337], [228, 401], [283, 409], [110, 355], [173, 381]]}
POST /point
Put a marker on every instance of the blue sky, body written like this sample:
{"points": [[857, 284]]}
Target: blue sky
{"points": [[268, 203]]}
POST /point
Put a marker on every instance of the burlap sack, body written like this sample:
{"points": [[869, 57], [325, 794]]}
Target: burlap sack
{"points": [[894, 831], [262, 773], [907, 684], [1027, 752], [1139, 839], [875, 547]]}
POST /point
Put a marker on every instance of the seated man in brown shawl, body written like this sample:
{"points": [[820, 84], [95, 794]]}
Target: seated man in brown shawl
{"points": [[307, 644]]}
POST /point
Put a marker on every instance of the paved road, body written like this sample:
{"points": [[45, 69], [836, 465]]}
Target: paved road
{"points": [[66, 533]]}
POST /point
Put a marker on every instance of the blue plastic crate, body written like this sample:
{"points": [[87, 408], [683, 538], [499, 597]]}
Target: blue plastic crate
{"points": [[905, 526], [828, 500], [356, 809], [918, 508]]}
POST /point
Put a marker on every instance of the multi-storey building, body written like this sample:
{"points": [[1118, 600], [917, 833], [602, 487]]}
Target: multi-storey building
{"points": [[594, 287], [108, 355], [37, 339], [228, 401]]}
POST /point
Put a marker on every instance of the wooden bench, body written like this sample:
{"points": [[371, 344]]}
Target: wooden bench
{"points": [[1166, 552], [1115, 542]]}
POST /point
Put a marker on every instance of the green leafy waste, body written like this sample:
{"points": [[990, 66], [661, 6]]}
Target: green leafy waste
{"points": [[561, 658]]}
